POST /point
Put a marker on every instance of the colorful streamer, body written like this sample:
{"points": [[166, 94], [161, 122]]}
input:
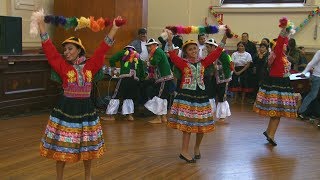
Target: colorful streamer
{"points": [[219, 18], [196, 29], [82, 22]]}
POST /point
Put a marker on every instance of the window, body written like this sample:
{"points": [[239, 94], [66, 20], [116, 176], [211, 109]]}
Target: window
{"points": [[261, 1]]}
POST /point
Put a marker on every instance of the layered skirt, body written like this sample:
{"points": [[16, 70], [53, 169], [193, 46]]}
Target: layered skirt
{"points": [[242, 82], [191, 112], [73, 132], [276, 98]]}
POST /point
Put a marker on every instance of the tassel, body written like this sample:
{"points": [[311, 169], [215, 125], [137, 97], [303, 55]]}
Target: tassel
{"points": [[35, 18]]}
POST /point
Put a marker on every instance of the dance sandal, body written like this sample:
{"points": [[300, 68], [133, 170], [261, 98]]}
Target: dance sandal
{"points": [[187, 160], [270, 140]]}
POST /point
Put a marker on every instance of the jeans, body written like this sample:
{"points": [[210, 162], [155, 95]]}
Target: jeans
{"points": [[315, 85]]}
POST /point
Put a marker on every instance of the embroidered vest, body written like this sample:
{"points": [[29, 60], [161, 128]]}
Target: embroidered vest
{"points": [[79, 83], [193, 77], [220, 75]]}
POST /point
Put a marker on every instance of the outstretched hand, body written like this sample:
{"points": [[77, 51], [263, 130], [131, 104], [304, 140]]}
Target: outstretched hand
{"points": [[37, 22], [169, 32], [118, 21], [301, 75]]}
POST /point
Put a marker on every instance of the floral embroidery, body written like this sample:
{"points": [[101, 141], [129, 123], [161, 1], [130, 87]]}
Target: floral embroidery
{"points": [[89, 75], [187, 71], [71, 76]]}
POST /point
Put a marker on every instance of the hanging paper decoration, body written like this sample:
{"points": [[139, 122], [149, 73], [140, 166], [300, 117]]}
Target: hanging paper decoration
{"points": [[219, 18], [71, 22], [307, 20]]}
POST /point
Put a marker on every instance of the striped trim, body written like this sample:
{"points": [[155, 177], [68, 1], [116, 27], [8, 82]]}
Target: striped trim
{"points": [[190, 129], [71, 116], [71, 141], [69, 157]]}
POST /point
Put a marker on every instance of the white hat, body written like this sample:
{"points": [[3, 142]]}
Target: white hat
{"points": [[129, 46], [212, 42], [151, 41], [174, 47]]}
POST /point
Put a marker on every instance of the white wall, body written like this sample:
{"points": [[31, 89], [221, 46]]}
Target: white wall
{"points": [[11, 8], [3, 7], [258, 23]]}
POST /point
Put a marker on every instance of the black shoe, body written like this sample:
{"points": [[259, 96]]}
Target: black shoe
{"points": [[187, 160], [197, 156], [303, 117], [270, 140]]}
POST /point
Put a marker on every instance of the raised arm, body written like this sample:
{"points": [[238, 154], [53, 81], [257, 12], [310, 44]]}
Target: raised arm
{"points": [[214, 55], [175, 59], [312, 63], [115, 58], [97, 59], [54, 58]]}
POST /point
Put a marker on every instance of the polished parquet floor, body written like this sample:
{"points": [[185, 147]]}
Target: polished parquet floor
{"points": [[138, 150]]}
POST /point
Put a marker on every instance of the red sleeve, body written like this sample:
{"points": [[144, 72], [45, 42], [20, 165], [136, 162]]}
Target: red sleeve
{"points": [[177, 61], [278, 49], [54, 58], [96, 61], [212, 57]]}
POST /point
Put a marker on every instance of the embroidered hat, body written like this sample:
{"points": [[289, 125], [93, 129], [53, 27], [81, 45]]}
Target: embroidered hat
{"points": [[189, 42], [212, 42], [128, 46], [74, 40], [151, 41]]}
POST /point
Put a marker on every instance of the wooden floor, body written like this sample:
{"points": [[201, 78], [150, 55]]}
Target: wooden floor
{"points": [[138, 150]]}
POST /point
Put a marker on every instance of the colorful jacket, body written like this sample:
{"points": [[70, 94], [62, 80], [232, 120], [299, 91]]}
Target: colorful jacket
{"points": [[127, 68], [221, 68], [160, 61], [192, 74], [76, 79]]}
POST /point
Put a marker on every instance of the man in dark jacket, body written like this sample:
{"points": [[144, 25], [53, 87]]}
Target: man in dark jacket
{"points": [[249, 45], [140, 44]]}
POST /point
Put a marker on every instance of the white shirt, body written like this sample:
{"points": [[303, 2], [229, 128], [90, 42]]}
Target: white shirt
{"points": [[315, 64], [144, 51], [241, 59]]}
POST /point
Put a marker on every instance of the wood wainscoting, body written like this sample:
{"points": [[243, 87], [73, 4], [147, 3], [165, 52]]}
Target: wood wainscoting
{"points": [[25, 84]]}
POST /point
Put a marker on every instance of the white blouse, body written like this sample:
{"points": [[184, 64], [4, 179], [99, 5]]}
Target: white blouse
{"points": [[241, 59]]}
